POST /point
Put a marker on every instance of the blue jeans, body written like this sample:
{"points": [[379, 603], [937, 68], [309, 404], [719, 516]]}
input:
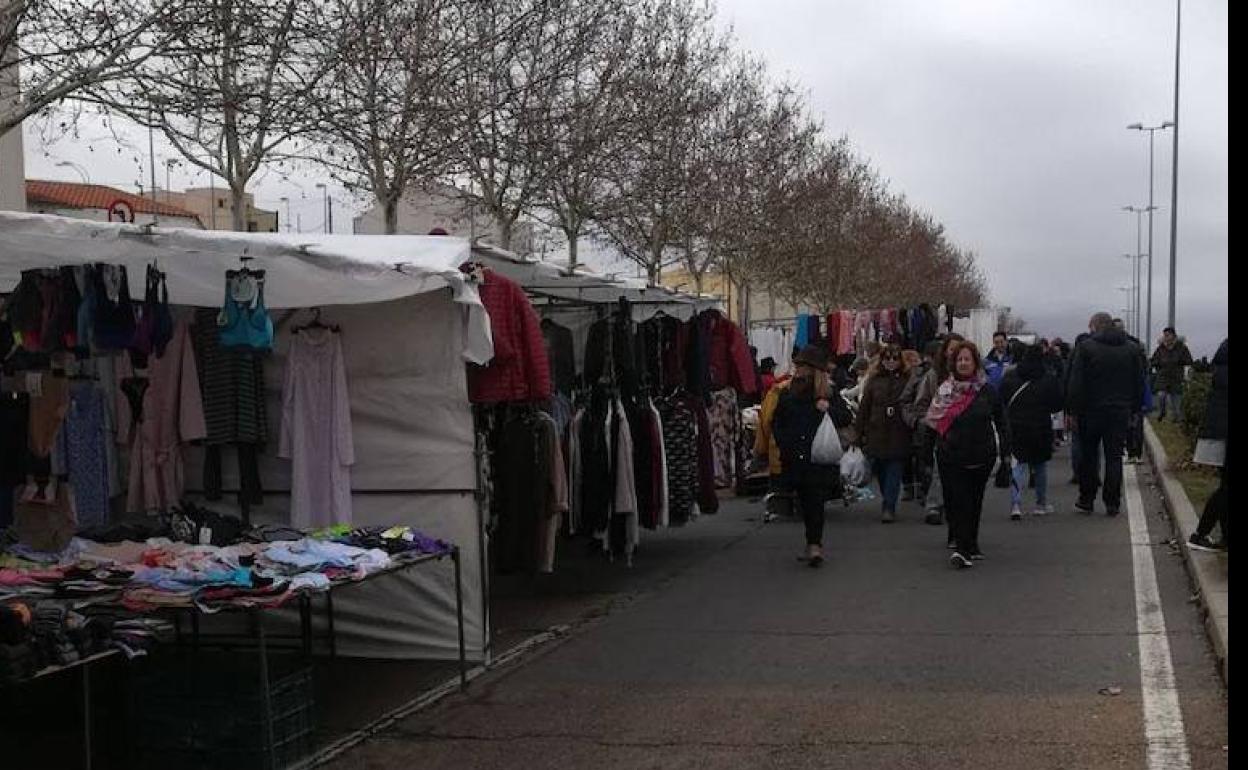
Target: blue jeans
{"points": [[1041, 473], [1171, 404], [889, 474]]}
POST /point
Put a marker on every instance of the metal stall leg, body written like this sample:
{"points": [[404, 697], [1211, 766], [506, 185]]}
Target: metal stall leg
{"points": [[305, 625], [459, 618], [262, 646], [329, 611], [86, 715]]}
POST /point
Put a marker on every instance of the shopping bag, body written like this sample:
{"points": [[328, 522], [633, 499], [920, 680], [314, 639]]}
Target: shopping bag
{"points": [[1005, 476], [854, 469], [826, 448]]}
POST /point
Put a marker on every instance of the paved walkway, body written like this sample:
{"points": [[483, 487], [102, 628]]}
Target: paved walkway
{"points": [[885, 658]]}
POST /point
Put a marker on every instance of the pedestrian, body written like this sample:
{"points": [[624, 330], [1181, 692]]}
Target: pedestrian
{"points": [[1170, 362], [1106, 389], [1211, 449], [997, 359], [767, 374], [941, 353], [1031, 394], [800, 409], [972, 433], [882, 431], [916, 365]]}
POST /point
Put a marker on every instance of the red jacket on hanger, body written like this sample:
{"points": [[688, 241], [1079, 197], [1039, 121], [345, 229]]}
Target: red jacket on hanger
{"points": [[520, 370], [730, 361]]}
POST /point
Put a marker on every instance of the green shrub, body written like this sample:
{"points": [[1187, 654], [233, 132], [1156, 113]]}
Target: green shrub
{"points": [[1195, 400]]}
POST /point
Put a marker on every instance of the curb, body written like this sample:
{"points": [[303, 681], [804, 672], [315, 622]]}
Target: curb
{"points": [[1208, 570]]}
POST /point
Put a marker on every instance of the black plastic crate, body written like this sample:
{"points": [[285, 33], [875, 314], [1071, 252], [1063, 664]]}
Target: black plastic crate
{"points": [[206, 711]]}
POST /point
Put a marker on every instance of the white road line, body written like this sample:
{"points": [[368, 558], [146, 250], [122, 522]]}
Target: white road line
{"points": [[1163, 717]]}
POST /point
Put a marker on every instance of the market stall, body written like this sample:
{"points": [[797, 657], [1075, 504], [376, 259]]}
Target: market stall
{"points": [[402, 320]]}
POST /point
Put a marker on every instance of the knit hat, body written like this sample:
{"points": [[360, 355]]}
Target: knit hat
{"points": [[813, 356]]}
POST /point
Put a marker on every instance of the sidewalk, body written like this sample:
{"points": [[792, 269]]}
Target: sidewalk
{"points": [[1210, 571]]}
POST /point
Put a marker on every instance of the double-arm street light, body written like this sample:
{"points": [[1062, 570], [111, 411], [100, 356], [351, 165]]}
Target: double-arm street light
{"points": [[1148, 323]]}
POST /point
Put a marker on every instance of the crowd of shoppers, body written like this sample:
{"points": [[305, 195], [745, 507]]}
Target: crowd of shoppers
{"points": [[934, 424]]}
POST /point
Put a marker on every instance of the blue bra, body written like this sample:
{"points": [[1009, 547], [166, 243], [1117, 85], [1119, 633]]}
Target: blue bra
{"points": [[245, 323]]}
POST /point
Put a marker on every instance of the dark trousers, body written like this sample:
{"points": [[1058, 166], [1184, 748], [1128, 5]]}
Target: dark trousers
{"points": [[250, 490], [1215, 510], [889, 474], [810, 484], [964, 503], [1103, 430], [1135, 436]]}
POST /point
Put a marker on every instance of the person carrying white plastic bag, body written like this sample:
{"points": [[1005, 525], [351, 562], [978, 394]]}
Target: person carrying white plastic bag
{"points": [[826, 448], [855, 470], [800, 414]]}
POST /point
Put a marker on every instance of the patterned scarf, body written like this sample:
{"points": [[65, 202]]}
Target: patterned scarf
{"points": [[952, 398]]}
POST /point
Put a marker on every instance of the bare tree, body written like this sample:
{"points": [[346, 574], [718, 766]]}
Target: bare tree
{"points": [[51, 50], [670, 93], [591, 119], [236, 85], [515, 54], [384, 115]]}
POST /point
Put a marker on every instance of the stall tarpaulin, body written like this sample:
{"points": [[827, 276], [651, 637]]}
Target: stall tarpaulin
{"points": [[404, 341], [303, 270]]}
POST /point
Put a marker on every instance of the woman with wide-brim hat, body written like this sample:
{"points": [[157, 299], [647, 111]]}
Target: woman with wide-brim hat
{"points": [[798, 414]]}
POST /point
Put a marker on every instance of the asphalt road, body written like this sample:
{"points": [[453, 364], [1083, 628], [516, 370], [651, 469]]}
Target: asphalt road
{"points": [[885, 658]]}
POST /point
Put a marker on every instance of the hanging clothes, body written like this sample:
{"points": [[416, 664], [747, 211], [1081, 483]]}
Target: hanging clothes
{"points": [[729, 364], [660, 464], [114, 320], [82, 445], [611, 354], [14, 449], [155, 417], [519, 371], [232, 387], [524, 494], [802, 337], [316, 430], [680, 441], [561, 353], [557, 496], [623, 533], [723, 419]]}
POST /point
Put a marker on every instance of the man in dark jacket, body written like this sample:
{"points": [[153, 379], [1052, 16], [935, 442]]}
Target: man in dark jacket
{"points": [[1106, 389], [1170, 362]]}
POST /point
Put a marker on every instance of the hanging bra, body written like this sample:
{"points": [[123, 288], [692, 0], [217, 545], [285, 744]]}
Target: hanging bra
{"points": [[114, 319], [244, 321]]}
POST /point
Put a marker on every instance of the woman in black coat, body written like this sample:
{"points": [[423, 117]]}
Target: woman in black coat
{"points": [[972, 433], [799, 413], [1211, 449], [1031, 394]]}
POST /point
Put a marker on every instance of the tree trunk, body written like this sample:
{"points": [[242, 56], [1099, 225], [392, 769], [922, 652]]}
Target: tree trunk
{"points": [[573, 244], [238, 199], [391, 207], [502, 228]]}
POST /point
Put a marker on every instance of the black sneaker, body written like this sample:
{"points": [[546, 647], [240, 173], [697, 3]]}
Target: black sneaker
{"points": [[1084, 507], [959, 561], [977, 555], [953, 545], [1201, 542]]}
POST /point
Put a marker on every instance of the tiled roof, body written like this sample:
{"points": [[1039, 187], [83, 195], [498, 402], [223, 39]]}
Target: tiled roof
{"points": [[73, 195]]}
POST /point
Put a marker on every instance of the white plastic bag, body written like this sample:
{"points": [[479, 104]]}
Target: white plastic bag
{"points": [[854, 469], [826, 448]]}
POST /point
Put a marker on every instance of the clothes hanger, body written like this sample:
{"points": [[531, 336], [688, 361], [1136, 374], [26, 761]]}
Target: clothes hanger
{"points": [[316, 323]]}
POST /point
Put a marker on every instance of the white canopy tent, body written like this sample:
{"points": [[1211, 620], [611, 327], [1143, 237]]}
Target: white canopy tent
{"points": [[409, 320]]}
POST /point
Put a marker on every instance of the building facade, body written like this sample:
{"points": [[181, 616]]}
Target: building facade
{"points": [[94, 201], [214, 207], [757, 305]]}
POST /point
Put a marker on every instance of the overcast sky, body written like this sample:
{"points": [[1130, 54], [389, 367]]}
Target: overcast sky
{"points": [[1003, 118]]}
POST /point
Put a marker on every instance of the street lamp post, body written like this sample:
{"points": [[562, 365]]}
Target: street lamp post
{"points": [[1148, 323], [1174, 165], [324, 205], [1132, 301], [169, 164], [1139, 245], [81, 171]]}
